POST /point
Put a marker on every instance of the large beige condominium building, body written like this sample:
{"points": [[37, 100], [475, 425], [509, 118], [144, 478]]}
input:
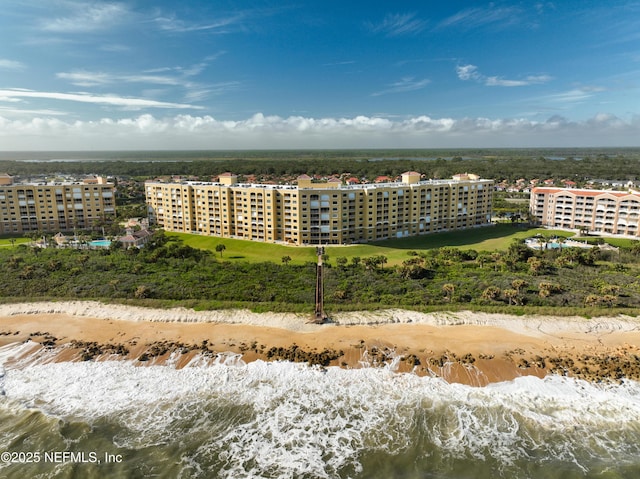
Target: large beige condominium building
{"points": [[320, 213], [60, 206], [599, 211]]}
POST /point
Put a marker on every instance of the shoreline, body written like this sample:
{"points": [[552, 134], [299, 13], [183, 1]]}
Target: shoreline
{"points": [[464, 347]]}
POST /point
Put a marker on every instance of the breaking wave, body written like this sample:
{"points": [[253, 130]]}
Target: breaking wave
{"points": [[286, 420]]}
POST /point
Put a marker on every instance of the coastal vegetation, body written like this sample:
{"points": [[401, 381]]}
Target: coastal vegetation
{"points": [[579, 165], [486, 269], [426, 273]]}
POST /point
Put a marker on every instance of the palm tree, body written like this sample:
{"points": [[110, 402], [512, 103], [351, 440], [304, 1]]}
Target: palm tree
{"points": [[449, 289], [142, 292], [482, 258], [535, 265], [491, 293], [609, 300], [114, 284], [369, 262], [546, 288], [518, 284], [286, 259], [220, 248], [612, 289], [496, 257], [592, 300], [511, 295]]}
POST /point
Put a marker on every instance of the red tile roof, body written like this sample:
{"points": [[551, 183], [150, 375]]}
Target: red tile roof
{"points": [[381, 179], [574, 192]]}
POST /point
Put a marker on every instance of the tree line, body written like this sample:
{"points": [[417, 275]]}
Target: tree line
{"points": [[577, 165]]}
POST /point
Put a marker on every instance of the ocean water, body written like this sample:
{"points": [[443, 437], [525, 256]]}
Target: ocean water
{"points": [[284, 420]]}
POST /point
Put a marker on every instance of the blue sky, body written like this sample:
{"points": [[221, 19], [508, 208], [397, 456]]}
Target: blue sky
{"points": [[207, 74]]}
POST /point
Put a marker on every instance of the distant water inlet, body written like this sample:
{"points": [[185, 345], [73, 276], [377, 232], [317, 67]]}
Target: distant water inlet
{"points": [[286, 420]]}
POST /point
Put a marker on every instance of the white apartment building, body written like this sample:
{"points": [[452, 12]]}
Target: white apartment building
{"points": [[54, 206], [597, 211], [320, 212]]}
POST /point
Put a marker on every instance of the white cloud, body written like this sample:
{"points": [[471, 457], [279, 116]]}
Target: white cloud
{"points": [[467, 72], [404, 85], [88, 79], [346, 62], [201, 92], [23, 112], [497, 81], [11, 65], [87, 17], [172, 75], [263, 131], [484, 16], [398, 24], [96, 99], [177, 76], [471, 72], [172, 24], [193, 91], [529, 80], [577, 95], [538, 78]]}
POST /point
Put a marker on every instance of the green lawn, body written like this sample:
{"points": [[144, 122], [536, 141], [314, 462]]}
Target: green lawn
{"points": [[242, 250], [489, 238], [6, 242]]}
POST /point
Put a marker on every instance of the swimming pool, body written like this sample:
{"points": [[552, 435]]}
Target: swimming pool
{"points": [[534, 243], [100, 243]]}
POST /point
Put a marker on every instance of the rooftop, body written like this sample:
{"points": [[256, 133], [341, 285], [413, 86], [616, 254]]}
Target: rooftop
{"points": [[320, 185], [92, 180], [578, 192]]}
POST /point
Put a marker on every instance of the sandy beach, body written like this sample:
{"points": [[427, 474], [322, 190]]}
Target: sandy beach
{"points": [[466, 347]]}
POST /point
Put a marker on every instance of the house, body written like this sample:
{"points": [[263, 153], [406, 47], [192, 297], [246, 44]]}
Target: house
{"points": [[60, 239], [383, 179], [135, 238]]}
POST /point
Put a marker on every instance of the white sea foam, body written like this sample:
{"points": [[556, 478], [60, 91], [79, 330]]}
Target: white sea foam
{"points": [[532, 325], [290, 420]]}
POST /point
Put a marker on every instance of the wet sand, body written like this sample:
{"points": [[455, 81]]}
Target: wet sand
{"points": [[470, 348]]}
